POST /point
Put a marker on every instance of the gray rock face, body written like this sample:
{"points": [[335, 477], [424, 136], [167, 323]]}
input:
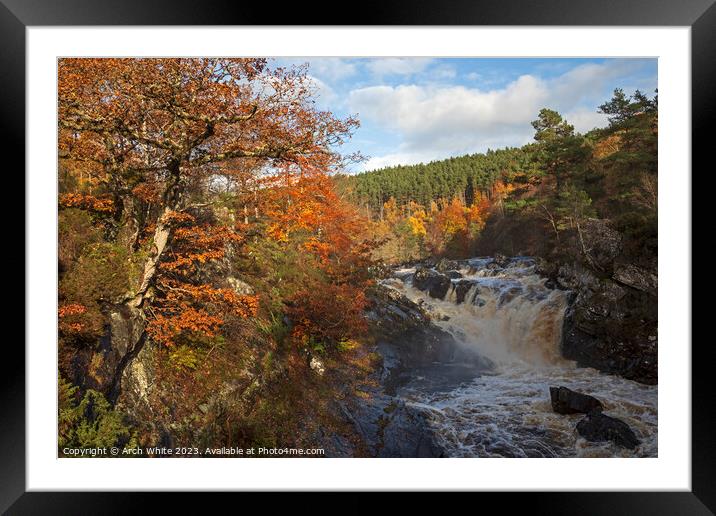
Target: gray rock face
{"points": [[240, 287], [434, 283], [602, 243], [138, 380], [608, 325], [567, 401], [636, 277], [598, 427], [389, 428], [445, 265], [123, 338], [398, 323], [462, 287]]}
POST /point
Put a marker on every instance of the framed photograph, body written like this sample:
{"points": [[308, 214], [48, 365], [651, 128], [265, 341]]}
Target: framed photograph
{"points": [[444, 248]]}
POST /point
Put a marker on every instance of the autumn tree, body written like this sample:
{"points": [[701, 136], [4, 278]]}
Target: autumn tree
{"points": [[303, 210], [155, 134]]}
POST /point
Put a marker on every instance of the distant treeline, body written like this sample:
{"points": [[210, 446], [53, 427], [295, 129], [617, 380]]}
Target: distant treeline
{"points": [[533, 199], [461, 177]]}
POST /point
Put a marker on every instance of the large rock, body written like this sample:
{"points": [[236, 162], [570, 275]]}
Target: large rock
{"points": [[598, 427], [608, 324], [388, 428], [445, 265], [602, 243], [432, 282], [462, 287], [501, 260], [567, 401], [101, 367], [138, 382], [407, 339], [636, 277]]}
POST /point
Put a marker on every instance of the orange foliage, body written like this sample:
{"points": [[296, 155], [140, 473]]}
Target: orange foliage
{"points": [[302, 207], [86, 202], [605, 147], [444, 226], [187, 308], [68, 320], [328, 312], [148, 193]]}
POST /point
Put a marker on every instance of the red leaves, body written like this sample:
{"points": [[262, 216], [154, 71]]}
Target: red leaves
{"points": [[87, 202], [187, 308], [157, 132], [189, 321], [70, 322], [149, 193], [304, 210], [71, 309], [196, 244], [328, 313]]}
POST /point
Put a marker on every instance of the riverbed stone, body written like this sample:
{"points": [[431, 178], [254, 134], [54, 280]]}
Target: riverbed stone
{"points": [[567, 401], [598, 427], [462, 287], [434, 283], [445, 265]]}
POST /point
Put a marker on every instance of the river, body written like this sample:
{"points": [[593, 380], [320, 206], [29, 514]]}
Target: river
{"points": [[507, 315]]}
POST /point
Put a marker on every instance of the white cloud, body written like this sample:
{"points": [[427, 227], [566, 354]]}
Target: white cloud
{"points": [[438, 121], [584, 119], [398, 65], [332, 68], [398, 158], [451, 119]]}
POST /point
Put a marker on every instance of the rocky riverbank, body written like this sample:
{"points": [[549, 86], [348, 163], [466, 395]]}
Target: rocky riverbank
{"points": [[407, 341], [611, 322], [435, 397]]}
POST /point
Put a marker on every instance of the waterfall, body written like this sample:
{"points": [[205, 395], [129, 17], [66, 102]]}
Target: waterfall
{"points": [[506, 314], [504, 311]]}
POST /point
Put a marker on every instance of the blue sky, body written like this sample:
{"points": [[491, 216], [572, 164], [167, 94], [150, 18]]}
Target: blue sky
{"points": [[416, 110]]}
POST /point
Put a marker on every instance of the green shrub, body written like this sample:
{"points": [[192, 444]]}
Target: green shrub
{"points": [[91, 422]]}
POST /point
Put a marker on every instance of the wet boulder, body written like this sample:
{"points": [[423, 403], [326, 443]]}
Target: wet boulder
{"points": [[445, 265], [432, 282], [453, 274], [567, 401], [507, 295], [402, 275], [597, 427], [394, 283], [462, 287], [501, 260]]}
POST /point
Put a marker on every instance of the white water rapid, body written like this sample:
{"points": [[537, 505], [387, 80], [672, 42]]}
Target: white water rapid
{"points": [[507, 315]]}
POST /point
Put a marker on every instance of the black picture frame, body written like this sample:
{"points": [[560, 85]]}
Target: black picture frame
{"points": [[700, 15]]}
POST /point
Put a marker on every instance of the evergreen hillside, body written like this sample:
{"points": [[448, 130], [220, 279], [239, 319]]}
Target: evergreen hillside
{"points": [[445, 179]]}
